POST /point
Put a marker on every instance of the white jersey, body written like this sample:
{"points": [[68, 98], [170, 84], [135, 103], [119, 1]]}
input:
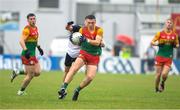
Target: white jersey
{"points": [[73, 50]]}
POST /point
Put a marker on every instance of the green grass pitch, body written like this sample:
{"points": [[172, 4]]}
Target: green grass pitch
{"points": [[107, 91]]}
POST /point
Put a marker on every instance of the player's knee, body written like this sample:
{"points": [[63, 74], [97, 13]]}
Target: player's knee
{"points": [[164, 76], [39, 71], [66, 70], [29, 76], [74, 69], [37, 74], [90, 78], [158, 74]]}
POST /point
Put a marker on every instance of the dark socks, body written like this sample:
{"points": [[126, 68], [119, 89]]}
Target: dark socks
{"points": [[22, 89], [64, 85], [21, 72], [162, 81], [78, 89]]}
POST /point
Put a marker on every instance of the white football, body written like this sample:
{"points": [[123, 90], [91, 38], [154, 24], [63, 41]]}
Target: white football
{"points": [[76, 38]]}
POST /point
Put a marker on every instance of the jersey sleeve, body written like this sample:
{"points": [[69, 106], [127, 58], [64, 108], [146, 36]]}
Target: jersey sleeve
{"points": [[156, 37], [100, 32], [26, 32], [80, 30], [177, 40]]}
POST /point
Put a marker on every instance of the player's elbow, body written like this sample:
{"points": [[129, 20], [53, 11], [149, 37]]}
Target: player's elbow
{"points": [[97, 43], [152, 43], [20, 42]]}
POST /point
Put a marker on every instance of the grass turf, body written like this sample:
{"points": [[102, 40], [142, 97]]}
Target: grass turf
{"points": [[107, 91]]}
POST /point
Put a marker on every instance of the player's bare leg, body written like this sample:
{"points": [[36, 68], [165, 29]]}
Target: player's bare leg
{"points": [[62, 93], [37, 69], [27, 79], [90, 74], [67, 68], [165, 72], [15, 73], [64, 76], [158, 77], [74, 68]]}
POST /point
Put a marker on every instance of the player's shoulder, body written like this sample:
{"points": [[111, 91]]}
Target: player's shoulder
{"points": [[80, 30], [83, 29], [26, 28], [175, 33], [99, 29], [159, 33]]}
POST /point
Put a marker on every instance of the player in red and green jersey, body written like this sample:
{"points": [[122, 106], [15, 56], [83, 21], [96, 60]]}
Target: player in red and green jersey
{"points": [[91, 43], [166, 40], [29, 42]]}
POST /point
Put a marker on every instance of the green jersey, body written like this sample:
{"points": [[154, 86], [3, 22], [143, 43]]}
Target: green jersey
{"points": [[31, 41]]}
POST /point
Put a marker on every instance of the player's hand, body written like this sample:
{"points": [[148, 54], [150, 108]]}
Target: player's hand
{"points": [[82, 39], [27, 54], [41, 52], [160, 45], [70, 22], [175, 45], [102, 44], [70, 38], [154, 43]]}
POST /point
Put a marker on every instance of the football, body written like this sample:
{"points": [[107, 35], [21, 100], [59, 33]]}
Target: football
{"points": [[75, 38]]}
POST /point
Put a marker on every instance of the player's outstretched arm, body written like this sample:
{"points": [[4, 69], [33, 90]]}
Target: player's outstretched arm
{"points": [[98, 40]]}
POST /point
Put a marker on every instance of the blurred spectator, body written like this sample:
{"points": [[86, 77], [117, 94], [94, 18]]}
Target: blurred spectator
{"points": [[178, 50], [1, 49], [125, 53], [117, 48], [150, 54]]}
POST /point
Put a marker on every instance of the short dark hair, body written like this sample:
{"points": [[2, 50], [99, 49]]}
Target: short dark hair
{"points": [[30, 14], [90, 17]]}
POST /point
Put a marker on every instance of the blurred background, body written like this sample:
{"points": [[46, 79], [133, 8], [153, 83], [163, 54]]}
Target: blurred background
{"points": [[129, 26]]}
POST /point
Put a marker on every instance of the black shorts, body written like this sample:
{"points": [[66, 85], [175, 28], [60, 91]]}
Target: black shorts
{"points": [[69, 60]]}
